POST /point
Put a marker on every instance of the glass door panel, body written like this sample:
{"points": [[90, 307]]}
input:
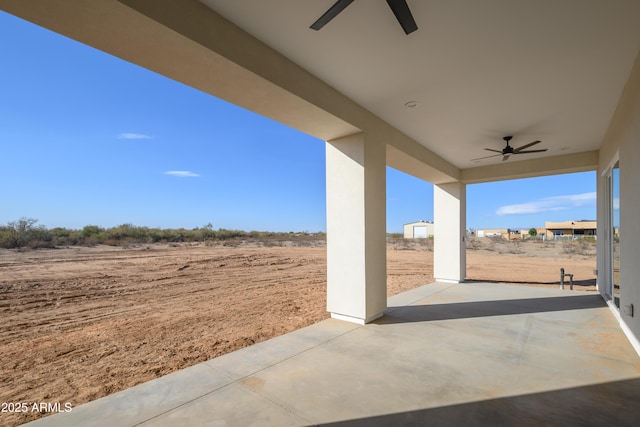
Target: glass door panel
{"points": [[615, 195]]}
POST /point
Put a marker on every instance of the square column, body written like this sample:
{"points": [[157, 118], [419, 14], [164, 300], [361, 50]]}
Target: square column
{"points": [[450, 231], [356, 228]]}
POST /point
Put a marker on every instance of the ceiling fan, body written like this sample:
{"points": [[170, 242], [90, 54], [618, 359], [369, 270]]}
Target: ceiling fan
{"points": [[399, 8], [509, 150]]}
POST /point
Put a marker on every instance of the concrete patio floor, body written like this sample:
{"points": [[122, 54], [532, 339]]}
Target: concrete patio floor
{"points": [[445, 354]]}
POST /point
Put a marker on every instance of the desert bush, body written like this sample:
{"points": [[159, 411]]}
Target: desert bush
{"points": [[400, 243], [511, 247], [223, 234], [272, 243], [492, 243], [584, 247], [425, 244], [23, 233], [91, 231], [474, 243], [569, 248], [6, 237]]}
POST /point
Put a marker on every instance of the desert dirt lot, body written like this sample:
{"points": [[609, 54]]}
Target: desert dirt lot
{"points": [[80, 323]]}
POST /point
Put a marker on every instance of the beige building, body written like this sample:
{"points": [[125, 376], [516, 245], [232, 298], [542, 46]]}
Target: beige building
{"points": [[418, 230], [491, 232], [505, 233], [571, 229], [540, 233]]}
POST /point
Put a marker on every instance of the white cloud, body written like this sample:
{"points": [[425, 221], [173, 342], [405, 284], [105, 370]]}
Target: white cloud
{"points": [[574, 200], [182, 174], [528, 208], [133, 136], [549, 204]]}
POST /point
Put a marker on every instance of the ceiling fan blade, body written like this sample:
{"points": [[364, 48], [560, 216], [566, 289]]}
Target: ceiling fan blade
{"points": [[531, 151], [403, 15], [526, 146], [486, 157], [495, 151], [506, 157], [331, 13]]}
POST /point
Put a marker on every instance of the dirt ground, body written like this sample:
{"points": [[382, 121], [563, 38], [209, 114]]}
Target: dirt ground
{"points": [[80, 323]]}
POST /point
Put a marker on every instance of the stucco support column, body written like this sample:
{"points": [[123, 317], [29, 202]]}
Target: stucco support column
{"points": [[356, 228], [450, 230]]}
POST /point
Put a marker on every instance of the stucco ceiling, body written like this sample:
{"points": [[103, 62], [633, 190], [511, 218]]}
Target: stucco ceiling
{"points": [[479, 70]]}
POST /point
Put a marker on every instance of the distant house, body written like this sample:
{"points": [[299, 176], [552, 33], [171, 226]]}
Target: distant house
{"points": [[505, 233], [418, 230], [571, 229], [492, 232], [540, 233]]}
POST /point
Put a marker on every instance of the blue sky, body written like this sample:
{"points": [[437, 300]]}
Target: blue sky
{"points": [[87, 138]]}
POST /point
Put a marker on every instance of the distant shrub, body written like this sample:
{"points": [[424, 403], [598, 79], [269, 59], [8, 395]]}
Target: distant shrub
{"points": [[584, 247], [474, 243], [425, 244], [511, 247], [223, 234], [24, 233], [91, 231], [491, 243], [398, 242]]}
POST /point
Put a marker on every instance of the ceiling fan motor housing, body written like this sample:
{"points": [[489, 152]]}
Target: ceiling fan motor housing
{"points": [[508, 149]]}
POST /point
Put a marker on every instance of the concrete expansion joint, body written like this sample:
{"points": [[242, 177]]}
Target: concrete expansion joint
{"points": [[213, 390], [246, 384], [275, 402], [251, 374], [449, 286], [182, 404], [219, 372], [245, 381]]}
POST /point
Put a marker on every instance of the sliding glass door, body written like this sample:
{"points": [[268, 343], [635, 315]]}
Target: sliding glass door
{"points": [[615, 234]]}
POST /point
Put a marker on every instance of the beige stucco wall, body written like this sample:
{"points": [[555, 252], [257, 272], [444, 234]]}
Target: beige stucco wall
{"points": [[572, 225], [622, 141], [571, 228]]}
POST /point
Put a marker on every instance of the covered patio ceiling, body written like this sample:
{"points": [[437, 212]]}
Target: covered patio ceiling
{"points": [[478, 70]]}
